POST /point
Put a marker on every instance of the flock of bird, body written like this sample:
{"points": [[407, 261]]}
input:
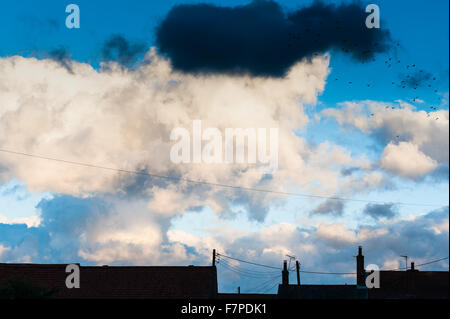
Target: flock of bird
{"points": [[414, 79]]}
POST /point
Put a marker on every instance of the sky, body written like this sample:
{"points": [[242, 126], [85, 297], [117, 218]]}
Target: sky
{"points": [[363, 135]]}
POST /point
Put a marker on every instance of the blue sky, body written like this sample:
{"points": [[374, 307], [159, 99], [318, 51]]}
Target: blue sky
{"points": [[34, 31]]}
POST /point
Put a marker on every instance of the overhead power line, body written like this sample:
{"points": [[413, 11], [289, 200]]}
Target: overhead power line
{"points": [[270, 288], [246, 269], [235, 187], [261, 286], [327, 273], [417, 266], [237, 272], [432, 262], [245, 273], [279, 268], [249, 262], [271, 279]]}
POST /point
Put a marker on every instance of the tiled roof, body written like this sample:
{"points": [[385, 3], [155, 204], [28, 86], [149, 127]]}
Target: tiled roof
{"points": [[119, 282]]}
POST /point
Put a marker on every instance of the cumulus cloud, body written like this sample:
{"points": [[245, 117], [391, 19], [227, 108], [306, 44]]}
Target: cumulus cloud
{"points": [[129, 116], [261, 39], [101, 231], [330, 246], [422, 136], [116, 117], [93, 231], [377, 211], [406, 160]]}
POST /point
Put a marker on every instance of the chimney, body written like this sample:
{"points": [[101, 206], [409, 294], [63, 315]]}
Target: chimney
{"points": [[285, 274], [297, 267], [360, 271], [411, 280]]}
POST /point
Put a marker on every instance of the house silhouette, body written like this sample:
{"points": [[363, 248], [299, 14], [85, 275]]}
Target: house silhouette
{"points": [[200, 282], [394, 284], [111, 282]]}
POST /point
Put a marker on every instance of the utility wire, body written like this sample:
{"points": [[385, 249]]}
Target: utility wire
{"points": [[210, 183], [278, 268], [242, 273], [249, 262], [432, 262], [237, 272], [419, 265], [323, 272], [268, 279], [246, 270], [267, 287], [270, 288], [260, 286], [264, 286], [327, 273]]}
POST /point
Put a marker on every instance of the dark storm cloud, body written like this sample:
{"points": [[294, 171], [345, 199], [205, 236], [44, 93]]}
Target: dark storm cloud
{"points": [[332, 207], [62, 56], [119, 49], [377, 211], [261, 39]]}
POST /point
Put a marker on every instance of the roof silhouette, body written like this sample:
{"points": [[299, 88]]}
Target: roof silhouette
{"points": [[117, 282]]}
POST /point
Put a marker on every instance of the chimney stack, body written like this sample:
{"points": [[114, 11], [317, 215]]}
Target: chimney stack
{"points": [[285, 274], [411, 279], [360, 271]]}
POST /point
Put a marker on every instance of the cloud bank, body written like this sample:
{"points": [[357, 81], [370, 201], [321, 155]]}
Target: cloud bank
{"points": [[99, 231], [122, 118]]}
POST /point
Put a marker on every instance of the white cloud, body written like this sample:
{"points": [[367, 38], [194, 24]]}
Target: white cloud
{"points": [[330, 246], [406, 160], [122, 119], [336, 234], [124, 232], [424, 136]]}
